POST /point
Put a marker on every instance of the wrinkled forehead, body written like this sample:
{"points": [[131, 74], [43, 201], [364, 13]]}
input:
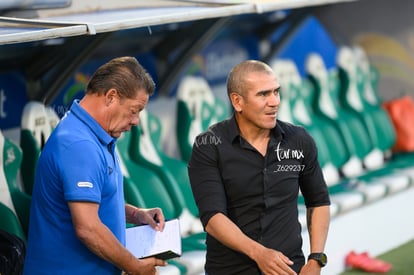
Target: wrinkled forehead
{"points": [[261, 81], [139, 100]]}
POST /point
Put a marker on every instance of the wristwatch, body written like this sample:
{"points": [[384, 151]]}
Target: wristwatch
{"points": [[321, 258]]}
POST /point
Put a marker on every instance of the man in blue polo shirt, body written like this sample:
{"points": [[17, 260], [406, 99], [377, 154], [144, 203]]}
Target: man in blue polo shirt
{"points": [[246, 173], [78, 215]]}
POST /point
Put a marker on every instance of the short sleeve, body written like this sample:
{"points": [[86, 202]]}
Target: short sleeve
{"points": [[82, 172], [311, 181]]}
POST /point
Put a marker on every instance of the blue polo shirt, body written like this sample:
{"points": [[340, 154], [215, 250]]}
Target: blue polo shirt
{"points": [[78, 163]]}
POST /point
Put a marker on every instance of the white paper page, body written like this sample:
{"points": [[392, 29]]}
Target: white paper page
{"points": [[143, 241]]}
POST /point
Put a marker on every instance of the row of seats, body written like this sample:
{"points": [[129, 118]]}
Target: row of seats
{"points": [[342, 110]]}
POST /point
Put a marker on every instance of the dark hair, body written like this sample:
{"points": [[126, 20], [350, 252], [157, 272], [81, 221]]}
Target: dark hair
{"points": [[124, 74], [237, 75]]}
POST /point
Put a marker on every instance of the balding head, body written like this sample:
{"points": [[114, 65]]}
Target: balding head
{"points": [[238, 75]]}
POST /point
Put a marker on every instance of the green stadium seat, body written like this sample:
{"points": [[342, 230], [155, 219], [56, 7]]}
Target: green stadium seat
{"points": [[15, 203], [327, 105], [144, 187], [296, 97], [301, 97], [197, 109], [5, 196], [10, 222], [351, 96], [36, 126], [381, 129], [11, 160], [323, 117], [292, 109], [172, 172]]}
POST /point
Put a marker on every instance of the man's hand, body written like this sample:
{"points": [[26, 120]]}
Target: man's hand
{"points": [[146, 266], [151, 216], [272, 262]]}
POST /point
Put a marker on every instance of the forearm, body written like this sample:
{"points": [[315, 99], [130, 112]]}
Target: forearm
{"points": [[318, 219], [98, 238], [225, 231], [101, 241]]}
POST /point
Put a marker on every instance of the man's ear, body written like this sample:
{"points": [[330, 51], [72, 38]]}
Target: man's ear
{"points": [[236, 100], [110, 96]]}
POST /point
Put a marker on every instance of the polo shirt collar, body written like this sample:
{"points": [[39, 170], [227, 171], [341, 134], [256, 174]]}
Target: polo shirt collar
{"points": [[86, 118]]}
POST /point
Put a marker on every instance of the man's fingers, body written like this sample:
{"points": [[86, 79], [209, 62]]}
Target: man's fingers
{"points": [[159, 262], [160, 219]]}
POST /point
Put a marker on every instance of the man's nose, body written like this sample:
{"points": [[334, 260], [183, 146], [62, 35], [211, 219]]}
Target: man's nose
{"points": [[274, 99]]}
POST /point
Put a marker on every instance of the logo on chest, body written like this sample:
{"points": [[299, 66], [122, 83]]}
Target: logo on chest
{"points": [[284, 154]]}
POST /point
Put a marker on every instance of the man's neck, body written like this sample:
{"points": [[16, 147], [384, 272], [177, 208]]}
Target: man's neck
{"points": [[257, 137]]}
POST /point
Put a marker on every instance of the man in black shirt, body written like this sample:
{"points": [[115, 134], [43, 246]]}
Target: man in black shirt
{"points": [[246, 173]]}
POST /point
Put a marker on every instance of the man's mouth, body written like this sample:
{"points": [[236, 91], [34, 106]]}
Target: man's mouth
{"points": [[273, 114]]}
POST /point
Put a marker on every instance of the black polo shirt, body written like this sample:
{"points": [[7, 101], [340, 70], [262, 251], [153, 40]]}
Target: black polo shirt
{"points": [[259, 194]]}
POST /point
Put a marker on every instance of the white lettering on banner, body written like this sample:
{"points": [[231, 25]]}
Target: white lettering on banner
{"points": [[3, 97], [288, 153], [85, 184]]}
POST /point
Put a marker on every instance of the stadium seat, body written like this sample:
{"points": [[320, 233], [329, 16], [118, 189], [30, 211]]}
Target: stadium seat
{"points": [[5, 196], [327, 105], [280, 68], [15, 203], [382, 129], [172, 172], [144, 187], [197, 109], [10, 222], [294, 108], [35, 130], [11, 162], [300, 96], [351, 96], [53, 117]]}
